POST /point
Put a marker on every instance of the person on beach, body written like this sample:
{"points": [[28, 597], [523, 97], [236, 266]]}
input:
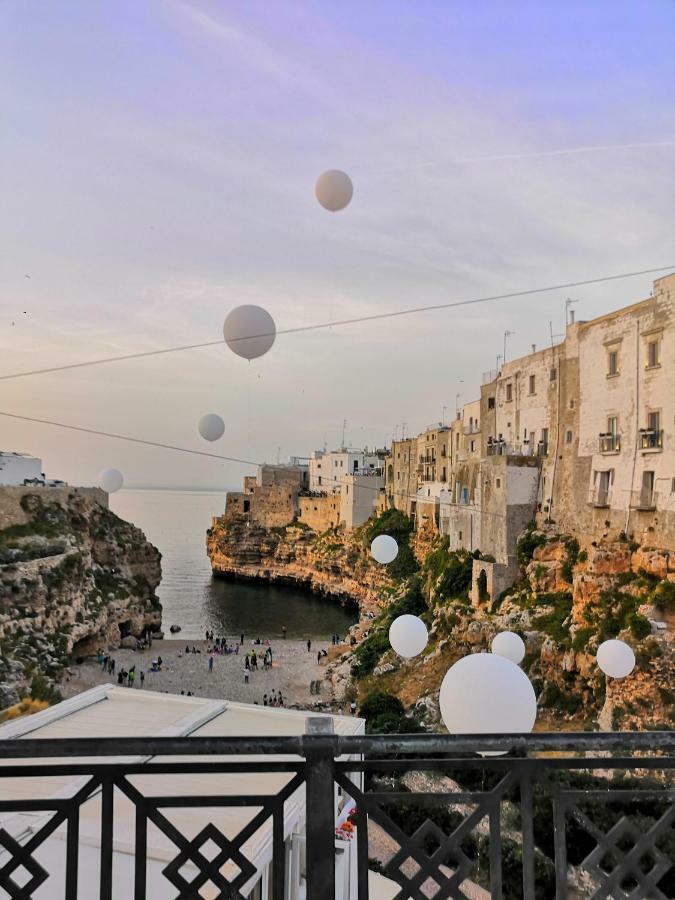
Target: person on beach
{"points": [[318, 657], [132, 677], [142, 678], [352, 707], [254, 660], [247, 673], [210, 664], [283, 630], [280, 699], [242, 639], [246, 661]]}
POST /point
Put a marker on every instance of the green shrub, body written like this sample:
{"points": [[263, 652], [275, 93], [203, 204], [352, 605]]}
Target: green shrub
{"points": [[567, 571], [639, 626], [663, 597], [41, 689], [527, 544], [552, 623]]}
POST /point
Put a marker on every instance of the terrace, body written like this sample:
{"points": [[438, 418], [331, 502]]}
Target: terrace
{"points": [[555, 813]]}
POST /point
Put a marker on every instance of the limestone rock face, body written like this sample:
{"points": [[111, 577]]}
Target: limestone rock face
{"points": [[654, 562], [333, 564], [73, 577], [609, 560]]}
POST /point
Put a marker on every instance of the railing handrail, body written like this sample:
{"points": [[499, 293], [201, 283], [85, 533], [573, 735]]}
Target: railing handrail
{"points": [[629, 741]]}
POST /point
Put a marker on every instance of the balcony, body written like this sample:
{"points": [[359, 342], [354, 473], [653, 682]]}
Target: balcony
{"points": [[644, 500], [650, 439], [542, 448], [609, 442], [591, 808]]}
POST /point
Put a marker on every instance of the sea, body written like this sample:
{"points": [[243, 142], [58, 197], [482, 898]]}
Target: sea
{"points": [[176, 522]]}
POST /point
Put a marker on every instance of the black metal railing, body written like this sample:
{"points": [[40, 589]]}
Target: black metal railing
{"points": [[583, 815], [609, 442], [651, 439]]}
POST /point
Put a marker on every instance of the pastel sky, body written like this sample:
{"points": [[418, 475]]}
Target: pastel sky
{"points": [[157, 167]]}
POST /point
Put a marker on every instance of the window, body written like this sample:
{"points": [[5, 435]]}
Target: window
{"points": [[612, 363], [473, 446], [654, 421], [653, 354], [509, 392], [568, 437], [491, 402], [499, 482], [318, 465], [572, 403], [543, 443], [554, 374], [612, 425], [460, 535], [533, 382]]}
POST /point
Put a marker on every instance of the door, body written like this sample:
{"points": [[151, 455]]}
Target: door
{"points": [[647, 490]]}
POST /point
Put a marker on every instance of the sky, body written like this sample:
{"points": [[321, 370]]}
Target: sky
{"points": [[157, 167]]}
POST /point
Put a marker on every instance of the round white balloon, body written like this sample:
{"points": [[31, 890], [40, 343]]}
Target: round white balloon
{"points": [[249, 331], [211, 427], [408, 635], [487, 694], [509, 645], [384, 549], [110, 480], [615, 658], [334, 190]]}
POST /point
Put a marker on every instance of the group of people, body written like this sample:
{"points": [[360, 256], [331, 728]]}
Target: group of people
{"points": [[128, 678], [106, 662], [273, 699], [251, 662]]}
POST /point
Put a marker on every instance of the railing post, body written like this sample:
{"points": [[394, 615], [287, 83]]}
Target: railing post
{"points": [[320, 780]]}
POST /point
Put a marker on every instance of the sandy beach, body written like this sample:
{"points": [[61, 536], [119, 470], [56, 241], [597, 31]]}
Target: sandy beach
{"points": [[293, 670]]}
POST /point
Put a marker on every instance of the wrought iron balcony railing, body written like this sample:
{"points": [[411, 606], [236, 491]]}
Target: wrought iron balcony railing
{"points": [[650, 439], [553, 818], [609, 443]]}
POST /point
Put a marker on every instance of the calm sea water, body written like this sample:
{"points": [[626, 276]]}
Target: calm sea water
{"points": [[176, 522]]}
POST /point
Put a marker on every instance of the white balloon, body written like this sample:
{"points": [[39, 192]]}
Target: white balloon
{"points": [[211, 427], [615, 658], [408, 635], [384, 549], [110, 480], [487, 694], [249, 331], [509, 645], [334, 190]]}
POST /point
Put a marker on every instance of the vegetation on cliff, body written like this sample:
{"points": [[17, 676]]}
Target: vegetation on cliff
{"points": [[73, 576]]}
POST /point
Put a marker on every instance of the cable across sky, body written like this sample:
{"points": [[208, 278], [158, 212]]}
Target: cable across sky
{"points": [[342, 322]]}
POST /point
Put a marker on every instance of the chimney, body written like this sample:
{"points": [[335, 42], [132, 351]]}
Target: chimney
{"points": [[534, 348], [571, 317]]}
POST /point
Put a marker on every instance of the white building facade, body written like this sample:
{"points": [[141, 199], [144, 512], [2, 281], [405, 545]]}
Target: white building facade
{"points": [[15, 468]]}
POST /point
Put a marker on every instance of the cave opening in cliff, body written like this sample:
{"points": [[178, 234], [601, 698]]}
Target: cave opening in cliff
{"points": [[125, 629]]}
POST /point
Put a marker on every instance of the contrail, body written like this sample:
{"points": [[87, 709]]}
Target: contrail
{"points": [[535, 154]]}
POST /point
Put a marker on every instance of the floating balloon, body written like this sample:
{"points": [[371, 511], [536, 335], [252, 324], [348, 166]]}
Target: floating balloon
{"points": [[408, 635], [249, 331], [487, 694], [110, 480], [211, 427], [384, 549], [509, 645], [615, 658], [334, 190]]}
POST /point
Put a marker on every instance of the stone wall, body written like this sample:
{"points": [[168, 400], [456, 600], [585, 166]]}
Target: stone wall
{"points": [[320, 513], [12, 513]]}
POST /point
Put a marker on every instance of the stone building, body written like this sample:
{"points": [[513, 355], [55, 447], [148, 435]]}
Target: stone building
{"points": [[620, 473], [269, 498], [327, 469], [401, 475], [359, 497]]}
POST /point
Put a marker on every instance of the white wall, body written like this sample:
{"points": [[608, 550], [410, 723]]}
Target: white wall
{"points": [[15, 468]]}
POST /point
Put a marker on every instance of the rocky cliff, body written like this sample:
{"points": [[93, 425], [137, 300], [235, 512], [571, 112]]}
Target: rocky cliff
{"points": [[566, 602], [73, 577], [334, 564]]}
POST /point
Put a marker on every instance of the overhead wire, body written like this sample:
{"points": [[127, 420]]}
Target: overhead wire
{"points": [[374, 317]]}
